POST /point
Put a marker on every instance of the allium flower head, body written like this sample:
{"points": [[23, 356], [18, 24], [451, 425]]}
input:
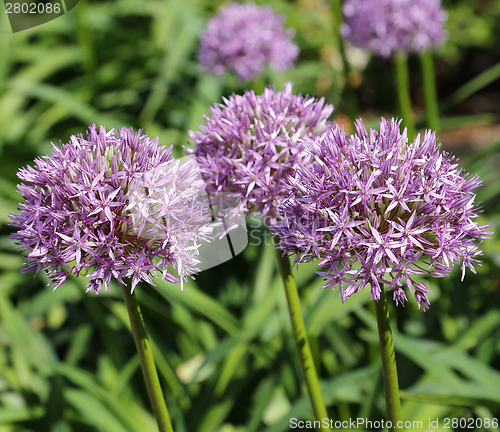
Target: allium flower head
{"points": [[110, 206], [377, 210], [242, 38], [388, 26], [251, 142]]}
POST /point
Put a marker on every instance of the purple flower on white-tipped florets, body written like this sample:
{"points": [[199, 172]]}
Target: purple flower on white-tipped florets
{"points": [[251, 142], [242, 38], [388, 26], [376, 210], [111, 206]]}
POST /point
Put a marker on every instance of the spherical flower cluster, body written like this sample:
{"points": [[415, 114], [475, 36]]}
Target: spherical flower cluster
{"points": [[110, 206], [377, 210], [251, 142], [242, 38], [388, 26]]}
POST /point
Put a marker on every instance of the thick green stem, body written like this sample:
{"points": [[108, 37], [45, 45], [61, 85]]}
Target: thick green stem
{"points": [[147, 362], [431, 103], [389, 370], [403, 87], [352, 102], [258, 85], [300, 336]]}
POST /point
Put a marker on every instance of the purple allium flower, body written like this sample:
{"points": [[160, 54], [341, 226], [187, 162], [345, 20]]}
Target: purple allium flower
{"points": [[110, 206], [251, 142], [388, 26], [377, 210], [242, 38]]}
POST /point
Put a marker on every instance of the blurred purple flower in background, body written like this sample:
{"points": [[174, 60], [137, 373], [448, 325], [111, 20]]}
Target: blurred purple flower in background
{"points": [[377, 210], [242, 38], [388, 26], [110, 206], [251, 142]]}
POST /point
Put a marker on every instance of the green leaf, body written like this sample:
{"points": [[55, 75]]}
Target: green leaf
{"points": [[479, 329], [93, 412], [9, 416], [198, 301], [118, 410]]}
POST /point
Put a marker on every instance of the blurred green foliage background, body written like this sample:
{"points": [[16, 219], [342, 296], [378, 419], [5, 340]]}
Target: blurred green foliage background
{"points": [[223, 347]]}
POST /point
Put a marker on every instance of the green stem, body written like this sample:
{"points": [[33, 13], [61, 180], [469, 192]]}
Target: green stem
{"points": [[85, 35], [403, 87], [259, 84], [352, 102], [147, 362], [300, 336], [389, 370], [431, 104]]}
